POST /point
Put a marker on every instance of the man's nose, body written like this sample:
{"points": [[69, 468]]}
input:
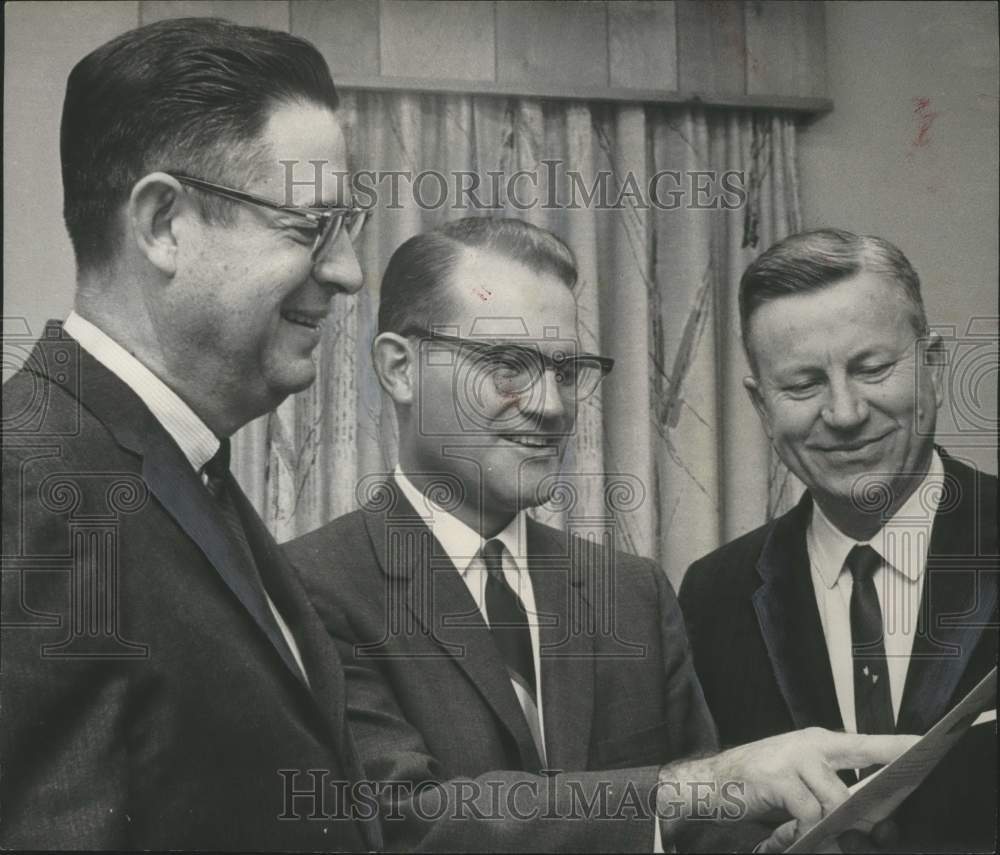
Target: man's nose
{"points": [[545, 399], [337, 265], [845, 407]]}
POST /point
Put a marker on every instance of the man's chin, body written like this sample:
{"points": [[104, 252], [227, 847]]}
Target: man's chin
{"points": [[294, 379]]}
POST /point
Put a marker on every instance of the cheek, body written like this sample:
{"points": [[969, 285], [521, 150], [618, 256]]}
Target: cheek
{"points": [[790, 422], [902, 401]]}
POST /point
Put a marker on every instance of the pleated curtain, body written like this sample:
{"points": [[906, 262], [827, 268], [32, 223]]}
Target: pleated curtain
{"points": [[668, 459]]}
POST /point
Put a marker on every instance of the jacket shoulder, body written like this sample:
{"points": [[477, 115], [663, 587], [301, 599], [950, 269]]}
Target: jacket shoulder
{"points": [[971, 495], [726, 569], [38, 410], [593, 562], [344, 536]]}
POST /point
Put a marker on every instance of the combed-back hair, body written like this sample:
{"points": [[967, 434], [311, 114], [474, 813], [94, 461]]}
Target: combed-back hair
{"points": [[813, 260], [190, 95], [415, 286]]}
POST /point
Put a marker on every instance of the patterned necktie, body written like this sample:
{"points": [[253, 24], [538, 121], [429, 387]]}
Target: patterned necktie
{"points": [[872, 697], [509, 627]]}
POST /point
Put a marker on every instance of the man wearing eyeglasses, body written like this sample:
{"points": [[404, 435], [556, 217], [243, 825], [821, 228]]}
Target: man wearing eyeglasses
{"points": [[510, 687], [165, 682]]}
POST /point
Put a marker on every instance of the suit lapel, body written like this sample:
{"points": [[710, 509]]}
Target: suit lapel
{"points": [[424, 585], [958, 602], [566, 649], [177, 486], [789, 622], [166, 472]]}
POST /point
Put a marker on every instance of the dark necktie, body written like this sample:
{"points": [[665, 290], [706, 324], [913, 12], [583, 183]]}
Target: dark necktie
{"points": [[218, 483], [509, 627], [872, 696]]}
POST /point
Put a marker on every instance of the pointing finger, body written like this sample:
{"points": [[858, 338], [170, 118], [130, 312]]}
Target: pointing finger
{"points": [[857, 750]]}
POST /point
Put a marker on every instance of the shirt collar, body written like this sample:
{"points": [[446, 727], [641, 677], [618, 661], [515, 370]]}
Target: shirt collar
{"points": [[191, 434], [462, 543], [905, 554]]}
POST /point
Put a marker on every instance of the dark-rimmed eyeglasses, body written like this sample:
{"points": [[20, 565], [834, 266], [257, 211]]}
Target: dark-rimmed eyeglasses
{"points": [[325, 222], [515, 369]]}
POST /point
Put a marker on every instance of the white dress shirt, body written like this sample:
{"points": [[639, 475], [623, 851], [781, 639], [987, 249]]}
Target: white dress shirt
{"points": [[903, 543], [192, 435]]}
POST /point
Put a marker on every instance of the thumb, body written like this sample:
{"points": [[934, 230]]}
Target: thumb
{"points": [[781, 838]]}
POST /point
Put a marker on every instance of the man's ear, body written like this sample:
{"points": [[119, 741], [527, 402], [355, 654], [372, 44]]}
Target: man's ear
{"points": [[393, 358], [935, 357], [752, 385], [153, 206]]}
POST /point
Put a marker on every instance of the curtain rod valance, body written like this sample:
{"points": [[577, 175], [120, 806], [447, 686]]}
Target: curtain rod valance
{"points": [[784, 103]]}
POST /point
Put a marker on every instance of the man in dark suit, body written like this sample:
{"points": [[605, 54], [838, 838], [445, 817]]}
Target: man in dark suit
{"points": [[514, 687], [165, 682], [872, 605]]}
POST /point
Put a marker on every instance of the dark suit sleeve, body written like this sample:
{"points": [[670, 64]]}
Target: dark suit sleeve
{"points": [[685, 698], [698, 736], [692, 598], [63, 756], [502, 811]]}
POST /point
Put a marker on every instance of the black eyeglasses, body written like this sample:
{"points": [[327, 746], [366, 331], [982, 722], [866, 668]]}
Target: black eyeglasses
{"points": [[514, 369], [327, 222]]}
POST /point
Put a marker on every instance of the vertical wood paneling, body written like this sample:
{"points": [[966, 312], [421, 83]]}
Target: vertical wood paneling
{"points": [[711, 47], [786, 48], [453, 39], [272, 14], [642, 44], [552, 41], [345, 31]]}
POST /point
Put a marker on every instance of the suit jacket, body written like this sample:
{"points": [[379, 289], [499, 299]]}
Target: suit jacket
{"points": [[147, 703], [430, 700], [761, 655]]}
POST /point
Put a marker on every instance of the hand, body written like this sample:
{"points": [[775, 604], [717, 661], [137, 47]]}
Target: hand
{"points": [[783, 837], [793, 774], [882, 838]]}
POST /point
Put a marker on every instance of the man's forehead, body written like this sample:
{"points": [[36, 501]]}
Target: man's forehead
{"points": [[865, 302], [841, 347], [495, 296], [305, 157]]}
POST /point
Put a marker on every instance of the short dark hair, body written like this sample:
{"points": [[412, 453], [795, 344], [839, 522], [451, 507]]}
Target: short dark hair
{"points": [[810, 261], [414, 292], [190, 94]]}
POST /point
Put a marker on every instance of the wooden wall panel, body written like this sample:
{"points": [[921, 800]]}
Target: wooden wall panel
{"points": [[786, 48], [642, 44], [346, 31], [272, 14], [451, 39], [557, 42], [711, 47], [759, 53]]}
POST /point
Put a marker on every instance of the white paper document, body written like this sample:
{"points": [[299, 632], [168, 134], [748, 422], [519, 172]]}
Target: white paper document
{"points": [[878, 795]]}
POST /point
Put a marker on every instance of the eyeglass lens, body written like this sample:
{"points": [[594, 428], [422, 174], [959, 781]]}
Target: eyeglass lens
{"points": [[516, 370], [353, 220]]}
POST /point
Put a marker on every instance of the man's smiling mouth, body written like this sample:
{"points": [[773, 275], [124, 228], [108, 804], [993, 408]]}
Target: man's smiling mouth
{"points": [[302, 319], [531, 441], [856, 445]]}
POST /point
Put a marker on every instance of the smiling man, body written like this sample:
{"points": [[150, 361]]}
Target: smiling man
{"points": [[513, 687], [872, 605], [164, 679]]}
